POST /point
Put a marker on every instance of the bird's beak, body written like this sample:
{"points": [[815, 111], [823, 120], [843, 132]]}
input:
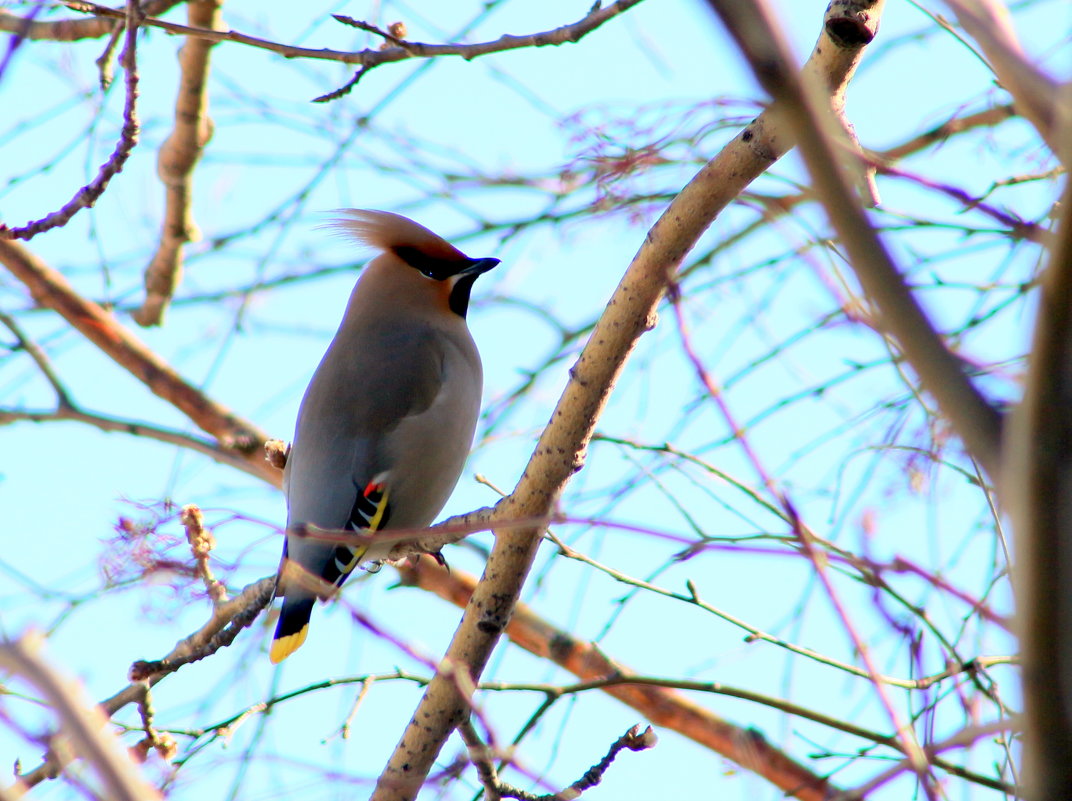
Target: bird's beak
{"points": [[478, 267]]}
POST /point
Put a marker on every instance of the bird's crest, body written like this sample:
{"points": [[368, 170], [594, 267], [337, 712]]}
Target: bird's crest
{"points": [[389, 232]]}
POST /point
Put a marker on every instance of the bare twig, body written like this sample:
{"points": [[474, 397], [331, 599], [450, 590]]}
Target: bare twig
{"points": [[104, 60], [905, 733], [483, 759], [759, 635], [136, 428], [164, 744], [717, 688], [634, 740], [956, 125], [961, 739], [90, 193], [662, 706], [362, 694], [228, 619], [201, 544], [40, 358], [570, 33]]}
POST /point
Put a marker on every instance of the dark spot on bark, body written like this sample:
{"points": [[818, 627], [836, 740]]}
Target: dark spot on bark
{"points": [[849, 32], [561, 647], [746, 135]]}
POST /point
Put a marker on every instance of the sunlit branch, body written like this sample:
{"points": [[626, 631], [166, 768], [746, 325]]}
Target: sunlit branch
{"points": [[73, 30], [563, 444], [176, 160], [370, 58], [50, 289]]}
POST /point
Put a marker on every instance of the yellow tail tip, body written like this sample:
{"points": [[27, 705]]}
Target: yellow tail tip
{"points": [[285, 646]]}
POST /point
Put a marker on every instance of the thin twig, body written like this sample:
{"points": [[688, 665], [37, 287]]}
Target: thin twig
{"points": [[226, 621], [44, 364], [128, 138], [369, 58], [961, 739], [905, 733], [1038, 96], [661, 706]]}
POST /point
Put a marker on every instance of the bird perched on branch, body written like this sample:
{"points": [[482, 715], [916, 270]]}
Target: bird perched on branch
{"points": [[388, 419]]}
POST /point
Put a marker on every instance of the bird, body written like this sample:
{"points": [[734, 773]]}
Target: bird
{"points": [[388, 419]]}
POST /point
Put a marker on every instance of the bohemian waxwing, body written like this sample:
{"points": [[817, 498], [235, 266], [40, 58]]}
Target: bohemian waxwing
{"points": [[388, 419]]}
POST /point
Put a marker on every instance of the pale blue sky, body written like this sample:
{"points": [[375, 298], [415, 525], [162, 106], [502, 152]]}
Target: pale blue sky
{"points": [[62, 487]]}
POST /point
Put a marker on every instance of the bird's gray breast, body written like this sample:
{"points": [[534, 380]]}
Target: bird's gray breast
{"points": [[388, 398]]}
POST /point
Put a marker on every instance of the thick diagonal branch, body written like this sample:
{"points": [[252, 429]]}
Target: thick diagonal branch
{"points": [[51, 290], [561, 449]]}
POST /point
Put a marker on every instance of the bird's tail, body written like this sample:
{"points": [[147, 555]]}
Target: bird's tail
{"points": [[293, 625]]}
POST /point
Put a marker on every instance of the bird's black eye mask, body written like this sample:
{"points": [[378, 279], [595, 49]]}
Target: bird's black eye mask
{"points": [[438, 269], [466, 272]]}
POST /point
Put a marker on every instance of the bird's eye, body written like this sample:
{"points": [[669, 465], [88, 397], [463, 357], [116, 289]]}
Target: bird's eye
{"points": [[426, 265]]}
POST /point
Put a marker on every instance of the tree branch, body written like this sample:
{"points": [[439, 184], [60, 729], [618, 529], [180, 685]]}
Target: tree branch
{"points": [[660, 705], [51, 290], [561, 450], [175, 165], [82, 726], [73, 30], [1036, 94], [227, 620], [1038, 477], [170, 436], [975, 420], [369, 58], [128, 138]]}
